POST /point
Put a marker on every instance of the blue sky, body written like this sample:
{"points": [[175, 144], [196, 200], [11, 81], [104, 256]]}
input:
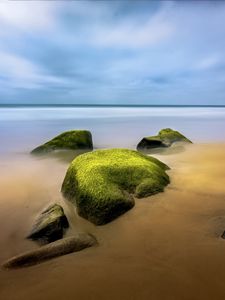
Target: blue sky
{"points": [[112, 52]]}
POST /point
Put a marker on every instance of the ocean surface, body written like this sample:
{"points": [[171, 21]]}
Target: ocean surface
{"points": [[23, 128]]}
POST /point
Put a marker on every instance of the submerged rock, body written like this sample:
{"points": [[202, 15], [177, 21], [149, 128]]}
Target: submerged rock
{"points": [[50, 226], [165, 138], [64, 246], [69, 140], [101, 183]]}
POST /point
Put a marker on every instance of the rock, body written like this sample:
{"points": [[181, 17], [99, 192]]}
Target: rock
{"points": [[50, 226], [69, 140], [165, 138], [101, 183], [223, 235], [61, 247]]}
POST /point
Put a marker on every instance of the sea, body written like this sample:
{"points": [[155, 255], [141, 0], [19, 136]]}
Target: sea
{"points": [[24, 127]]}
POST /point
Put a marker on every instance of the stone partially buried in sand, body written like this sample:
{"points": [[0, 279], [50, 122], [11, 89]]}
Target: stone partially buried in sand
{"points": [[165, 138], [101, 183], [50, 225], [69, 140], [61, 247]]}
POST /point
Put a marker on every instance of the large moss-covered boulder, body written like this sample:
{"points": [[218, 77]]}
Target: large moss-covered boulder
{"points": [[69, 140], [50, 225], [165, 138], [101, 183]]}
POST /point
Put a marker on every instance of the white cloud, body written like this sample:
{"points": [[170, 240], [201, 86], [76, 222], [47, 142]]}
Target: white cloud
{"points": [[19, 72], [208, 62], [17, 18], [27, 15], [129, 35], [135, 34]]}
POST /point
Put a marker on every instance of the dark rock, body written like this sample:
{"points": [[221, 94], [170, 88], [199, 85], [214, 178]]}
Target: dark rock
{"points": [[50, 226], [165, 138], [68, 245]]}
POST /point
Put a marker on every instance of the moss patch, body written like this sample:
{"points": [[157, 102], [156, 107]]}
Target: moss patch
{"points": [[72, 140], [101, 183], [165, 138]]}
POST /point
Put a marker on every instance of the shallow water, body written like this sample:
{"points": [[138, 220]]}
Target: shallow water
{"points": [[22, 129], [167, 247]]}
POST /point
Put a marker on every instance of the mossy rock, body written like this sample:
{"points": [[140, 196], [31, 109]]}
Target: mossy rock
{"points": [[50, 225], [69, 140], [101, 183], [165, 138]]}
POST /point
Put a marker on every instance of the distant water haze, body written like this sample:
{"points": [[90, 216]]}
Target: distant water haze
{"points": [[23, 128]]}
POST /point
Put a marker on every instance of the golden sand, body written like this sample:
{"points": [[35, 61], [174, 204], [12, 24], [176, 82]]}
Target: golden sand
{"points": [[168, 247]]}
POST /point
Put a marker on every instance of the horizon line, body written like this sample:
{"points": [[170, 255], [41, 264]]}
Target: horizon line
{"points": [[108, 105]]}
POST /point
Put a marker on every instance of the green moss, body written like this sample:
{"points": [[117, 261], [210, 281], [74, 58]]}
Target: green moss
{"points": [[170, 136], [101, 183], [72, 140], [165, 138], [149, 187]]}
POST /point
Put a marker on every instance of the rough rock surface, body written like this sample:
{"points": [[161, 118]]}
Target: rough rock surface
{"points": [[50, 225]]}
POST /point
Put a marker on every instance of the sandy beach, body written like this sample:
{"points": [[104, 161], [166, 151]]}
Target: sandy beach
{"points": [[167, 247]]}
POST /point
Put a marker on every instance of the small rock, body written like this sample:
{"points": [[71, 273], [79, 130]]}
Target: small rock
{"points": [[50, 225]]}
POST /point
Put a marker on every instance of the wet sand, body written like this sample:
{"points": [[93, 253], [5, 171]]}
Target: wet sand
{"points": [[168, 247]]}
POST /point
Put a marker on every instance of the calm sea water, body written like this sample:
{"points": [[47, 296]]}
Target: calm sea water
{"points": [[23, 128]]}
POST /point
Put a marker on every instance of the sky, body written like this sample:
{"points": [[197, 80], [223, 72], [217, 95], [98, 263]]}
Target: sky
{"points": [[112, 52]]}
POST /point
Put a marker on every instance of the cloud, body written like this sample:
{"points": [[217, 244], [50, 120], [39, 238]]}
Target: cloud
{"points": [[128, 34], [112, 51], [27, 15], [208, 63], [18, 72], [106, 24]]}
